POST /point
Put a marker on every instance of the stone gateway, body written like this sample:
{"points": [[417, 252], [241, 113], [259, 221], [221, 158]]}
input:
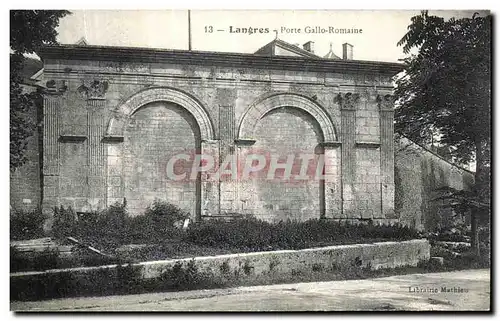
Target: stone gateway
{"points": [[115, 118]]}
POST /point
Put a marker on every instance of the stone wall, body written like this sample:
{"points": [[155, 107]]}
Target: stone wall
{"points": [[419, 173], [156, 133], [105, 140], [249, 267], [109, 125], [383, 255], [286, 132]]}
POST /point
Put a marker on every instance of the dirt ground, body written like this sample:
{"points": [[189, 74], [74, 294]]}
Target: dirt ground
{"points": [[470, 290]]}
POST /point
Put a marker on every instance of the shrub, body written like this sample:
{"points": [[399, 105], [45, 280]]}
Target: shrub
{"points": [[107, 228], [179, 277], [255, 235], [160, 222], [65, 222], [87, 225], [125, 279], [26, 224], [248, 233], [165, 215], [113, 227], [141, 229], [37, 261]]}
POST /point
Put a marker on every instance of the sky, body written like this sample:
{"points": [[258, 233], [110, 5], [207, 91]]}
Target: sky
{"points": [[168, 29]]}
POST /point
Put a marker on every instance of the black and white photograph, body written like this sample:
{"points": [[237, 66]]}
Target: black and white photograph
{"points": [[209, 160]]}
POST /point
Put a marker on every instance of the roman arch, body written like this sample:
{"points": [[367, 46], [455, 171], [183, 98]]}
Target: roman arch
{"points": [[284, 123], [145, 132], [280, 100], [124, 111]]}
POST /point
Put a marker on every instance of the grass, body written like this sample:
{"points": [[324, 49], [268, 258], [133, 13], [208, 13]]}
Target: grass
{"points": [[127, 279]]}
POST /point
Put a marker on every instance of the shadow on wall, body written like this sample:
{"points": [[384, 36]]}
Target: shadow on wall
{"points": [[418, 173]]}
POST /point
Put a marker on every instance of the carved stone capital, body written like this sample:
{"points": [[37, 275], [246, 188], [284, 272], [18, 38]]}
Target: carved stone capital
{"points": [[93, 89], [56, 87], [348, 101], [386, 102]]}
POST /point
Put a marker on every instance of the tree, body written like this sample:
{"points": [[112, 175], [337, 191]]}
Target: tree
{"points": [[29, 30], [445, 92]]}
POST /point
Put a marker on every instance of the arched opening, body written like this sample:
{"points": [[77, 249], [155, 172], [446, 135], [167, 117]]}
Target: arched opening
{"points": [[144, 133], [287, 135], [298, 123], [155, 134]]}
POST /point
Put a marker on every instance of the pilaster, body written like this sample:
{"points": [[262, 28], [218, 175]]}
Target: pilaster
{"points": [[348, 103], [386, 108]]}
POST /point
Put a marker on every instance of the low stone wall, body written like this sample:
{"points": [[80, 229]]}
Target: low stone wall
{"points": [[245, 267], [253, 265]]}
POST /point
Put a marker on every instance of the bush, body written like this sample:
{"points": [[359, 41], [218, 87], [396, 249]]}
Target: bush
{"points": [[125, 279], [105, 229], [65, 222], [183, 278], [246, 233], [37, 261], [165, 215], [26, 224], [160, 222], [255, 235], [113, 227]]}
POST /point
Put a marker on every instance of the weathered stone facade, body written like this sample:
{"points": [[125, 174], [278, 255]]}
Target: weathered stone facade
{"points": [[419, 173], [113, 117]]}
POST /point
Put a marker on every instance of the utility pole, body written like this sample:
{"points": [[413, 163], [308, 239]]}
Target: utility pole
{"points": [[189, 28]]}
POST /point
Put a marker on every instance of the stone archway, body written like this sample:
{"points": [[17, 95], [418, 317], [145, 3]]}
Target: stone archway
{"points": [[272, 123], [273, 101], [146, 131], [117, 123]]}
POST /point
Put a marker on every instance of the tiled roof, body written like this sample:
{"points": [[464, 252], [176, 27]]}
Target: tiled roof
{"points": [[330, 54], [283, 44]]}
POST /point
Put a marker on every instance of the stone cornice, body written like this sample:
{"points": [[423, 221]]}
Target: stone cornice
{"points": [[147, 55]]}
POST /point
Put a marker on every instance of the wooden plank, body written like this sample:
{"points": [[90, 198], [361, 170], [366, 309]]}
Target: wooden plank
{"points": [[93, 249]]}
